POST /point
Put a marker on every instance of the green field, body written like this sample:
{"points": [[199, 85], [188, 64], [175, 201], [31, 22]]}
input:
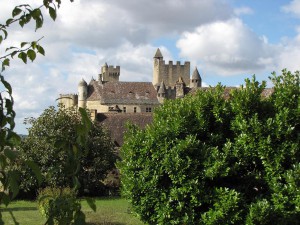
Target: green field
{"points": [[109, 212]]}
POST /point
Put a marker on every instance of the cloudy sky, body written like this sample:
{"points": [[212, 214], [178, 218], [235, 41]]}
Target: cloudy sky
{"points": [[228, 41]]}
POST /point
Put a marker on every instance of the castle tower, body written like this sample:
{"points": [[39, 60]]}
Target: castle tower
{"points": [[109, 73], [196, 80], [161, 94], [158, 60], [82, 93], [180, 88]]}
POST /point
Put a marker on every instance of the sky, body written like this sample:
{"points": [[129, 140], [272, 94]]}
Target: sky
{"points": [[227, 40]]}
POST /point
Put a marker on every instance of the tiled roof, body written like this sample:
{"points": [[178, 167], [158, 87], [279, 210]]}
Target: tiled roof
{"points": [[116, 123], [162, 88], [122, 93]]}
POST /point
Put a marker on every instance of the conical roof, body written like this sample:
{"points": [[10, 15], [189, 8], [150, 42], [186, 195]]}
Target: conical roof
{"points": [[158, 54], [196, 75], [162, 88], [82, 83]]}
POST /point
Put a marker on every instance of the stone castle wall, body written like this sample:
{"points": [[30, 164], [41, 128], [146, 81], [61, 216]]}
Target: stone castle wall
{"points": [[170, 73], [110, 73], [68, 100]]}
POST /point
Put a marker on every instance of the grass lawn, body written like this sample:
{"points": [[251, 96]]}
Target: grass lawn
{"points": [[109, 212]]}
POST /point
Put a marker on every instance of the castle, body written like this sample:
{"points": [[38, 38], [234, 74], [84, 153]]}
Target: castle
{"points": [[109, 95], [113, 103]]}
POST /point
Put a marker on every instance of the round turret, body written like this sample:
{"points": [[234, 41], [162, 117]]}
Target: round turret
{"points": [[82, 93]]}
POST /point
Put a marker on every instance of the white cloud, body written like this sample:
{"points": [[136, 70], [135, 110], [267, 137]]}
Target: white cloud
{"points": [[227, 47], [293, 7]]}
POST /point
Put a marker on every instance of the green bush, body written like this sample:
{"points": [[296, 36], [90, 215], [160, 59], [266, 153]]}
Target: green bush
{"points": [[58, 205], [53, 132], [219, 157]]}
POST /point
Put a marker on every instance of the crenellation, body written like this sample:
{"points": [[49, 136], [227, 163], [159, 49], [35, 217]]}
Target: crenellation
{"points": [[109, 73], [68, 100]]}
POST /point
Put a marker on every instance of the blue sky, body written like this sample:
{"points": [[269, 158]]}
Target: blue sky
{"points": [[228, 41]]}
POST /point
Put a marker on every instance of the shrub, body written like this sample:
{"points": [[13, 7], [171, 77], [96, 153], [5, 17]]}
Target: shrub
{"points": [[218, 158], [58, 205]]}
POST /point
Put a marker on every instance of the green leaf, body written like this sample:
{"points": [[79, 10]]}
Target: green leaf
{"points": [[33, 45], [36, 170], [6, 84], [5, 199], [31, 54], [5, 34], [92, 203], [10, 48], [23, 44], [1, 39], [9, 21], [76, 183], [14, 139], [36, 13], [38, 23], [85, 119], [23, 56], [52, 13], [12, 155], [16, 11], [79, 218], [40, 49], [6, 62], [13, 54], [22, 22]]}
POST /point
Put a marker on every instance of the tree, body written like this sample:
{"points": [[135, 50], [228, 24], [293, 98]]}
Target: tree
{"points": [[9, 179], [22, 15], [219, 157], [43, 146]]}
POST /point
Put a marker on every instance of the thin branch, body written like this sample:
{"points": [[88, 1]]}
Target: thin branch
{"points": [[20, 50]]}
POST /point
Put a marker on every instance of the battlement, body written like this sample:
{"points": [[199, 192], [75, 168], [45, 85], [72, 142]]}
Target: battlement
{"points": [[171, 72], [110, 73], [68, 100], [68, 95]]}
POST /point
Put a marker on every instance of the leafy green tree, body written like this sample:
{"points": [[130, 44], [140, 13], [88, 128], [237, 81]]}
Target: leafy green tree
{"points": [[9, 178], [21, 15], [219, 157], [43, 146]]}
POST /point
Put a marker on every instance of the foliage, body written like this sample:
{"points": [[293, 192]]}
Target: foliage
{"points": [[54, 129], [8, 139], [218, 157], [23, 14], [58, 204]]}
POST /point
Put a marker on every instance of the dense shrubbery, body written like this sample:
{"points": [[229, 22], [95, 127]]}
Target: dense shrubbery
{"points": [[48, 145], [216, 159]]}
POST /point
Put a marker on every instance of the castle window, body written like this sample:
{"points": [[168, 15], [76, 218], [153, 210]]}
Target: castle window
{"points": [[148, 109], [124, 109], [134, 109]]}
